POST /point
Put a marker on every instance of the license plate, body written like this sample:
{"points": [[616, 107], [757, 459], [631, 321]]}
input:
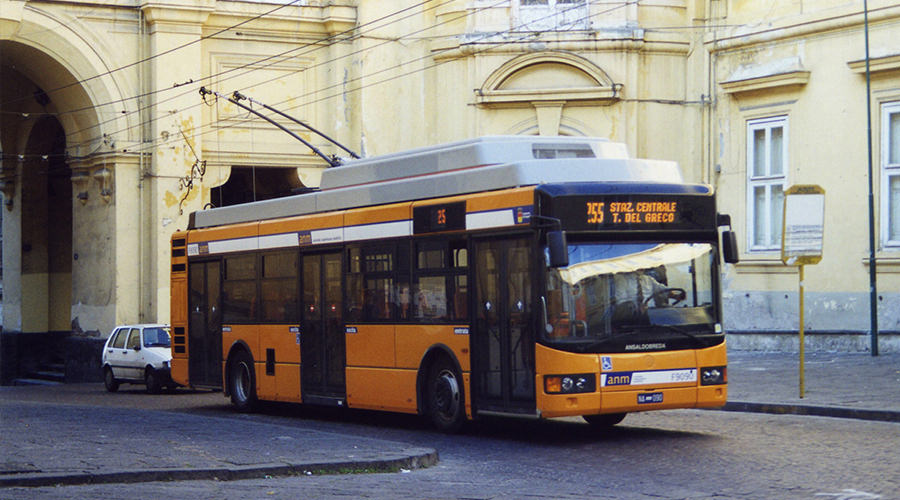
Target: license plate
{"points": [[652, 397]]}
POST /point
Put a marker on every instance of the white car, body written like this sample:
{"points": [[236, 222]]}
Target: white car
{"points": [[138, 354]]}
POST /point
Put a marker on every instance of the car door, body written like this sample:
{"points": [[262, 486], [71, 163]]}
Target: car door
{"points": [[115, 352], [132, 359]]}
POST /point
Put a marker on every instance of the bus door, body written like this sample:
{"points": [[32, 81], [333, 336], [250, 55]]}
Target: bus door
{"points": [[322, 342], [503, 341], [205, 327]]}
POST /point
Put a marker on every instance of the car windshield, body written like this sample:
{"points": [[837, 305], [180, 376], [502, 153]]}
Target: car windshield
{"points": [[615, 290], [156, 337]]}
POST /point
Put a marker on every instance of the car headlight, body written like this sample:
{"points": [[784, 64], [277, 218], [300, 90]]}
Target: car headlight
{"points": [[570, 384], [713, 375]]}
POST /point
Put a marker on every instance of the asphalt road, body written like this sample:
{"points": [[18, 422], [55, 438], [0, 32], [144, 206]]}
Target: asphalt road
{"points": [[660, 455]]}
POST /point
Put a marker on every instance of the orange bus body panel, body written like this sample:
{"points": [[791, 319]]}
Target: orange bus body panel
{"points": [[382, 389], [370, 215], [371, 346], [413, 341], [245, 230], [302, 223]]}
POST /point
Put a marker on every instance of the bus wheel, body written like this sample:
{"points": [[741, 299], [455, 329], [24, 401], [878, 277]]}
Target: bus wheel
{"points": [[605, 420], [444, 397], [242, 382], [109, 380]]}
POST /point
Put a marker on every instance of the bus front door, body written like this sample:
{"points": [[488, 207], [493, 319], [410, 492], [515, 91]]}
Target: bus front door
{"points": [[205, 327], [502, 340], [322, 343]]}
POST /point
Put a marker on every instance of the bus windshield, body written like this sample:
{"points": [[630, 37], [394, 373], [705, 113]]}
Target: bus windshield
{"points": [[627, 296]]}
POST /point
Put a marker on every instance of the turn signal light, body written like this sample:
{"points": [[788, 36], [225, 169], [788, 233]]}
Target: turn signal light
{"points": [[713, 375], [570, 384]]}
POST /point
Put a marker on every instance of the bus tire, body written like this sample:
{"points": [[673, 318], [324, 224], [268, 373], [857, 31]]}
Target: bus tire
{"points": [[444, 400], [242, 382], [605, 420], [109, 380]]}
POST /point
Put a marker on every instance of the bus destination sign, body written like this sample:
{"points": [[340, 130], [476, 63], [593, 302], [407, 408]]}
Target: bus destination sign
{"points": [[635, 212], [437, 218]]}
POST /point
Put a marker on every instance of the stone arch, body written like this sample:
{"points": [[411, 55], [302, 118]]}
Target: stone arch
{"points": [[569, 72], [547, 81], [58, 54], [64, 120]]}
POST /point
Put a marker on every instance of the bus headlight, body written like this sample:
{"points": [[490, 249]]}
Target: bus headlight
{"points": [[713, 375], [570, 384]]}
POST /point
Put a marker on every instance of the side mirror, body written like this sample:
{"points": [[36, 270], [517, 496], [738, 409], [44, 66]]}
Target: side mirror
{"points": [[559, 250], [729, 247]]}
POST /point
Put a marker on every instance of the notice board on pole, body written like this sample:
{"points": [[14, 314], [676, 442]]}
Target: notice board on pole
{"points": [[803, 228]]}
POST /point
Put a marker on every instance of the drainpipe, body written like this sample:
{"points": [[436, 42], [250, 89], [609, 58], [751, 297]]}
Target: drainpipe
{"points": [[141, 153]]}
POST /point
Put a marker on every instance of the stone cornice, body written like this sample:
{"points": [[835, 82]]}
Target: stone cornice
{"points": [[876, 64], [766, 82], [189, 12]]}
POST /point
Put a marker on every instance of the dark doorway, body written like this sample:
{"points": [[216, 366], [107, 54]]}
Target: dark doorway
{"points": [[248, 184], [47, 229]]}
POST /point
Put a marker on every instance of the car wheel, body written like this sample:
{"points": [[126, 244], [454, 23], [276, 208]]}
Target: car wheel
{"points": [[112, 385], [154, 384], [444, 397], [242, 382], [605, 420]]}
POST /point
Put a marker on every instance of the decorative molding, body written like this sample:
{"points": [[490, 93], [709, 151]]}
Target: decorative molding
{"points": [[775, 74], [876, 64], [601, 91]]}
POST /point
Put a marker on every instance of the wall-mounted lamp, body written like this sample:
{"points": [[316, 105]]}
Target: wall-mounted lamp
{"points": [[8, 188], [80, 183], [103, 176]]}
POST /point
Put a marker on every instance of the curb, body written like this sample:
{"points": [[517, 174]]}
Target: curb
{"points": [[813, 411], [386, 464]]}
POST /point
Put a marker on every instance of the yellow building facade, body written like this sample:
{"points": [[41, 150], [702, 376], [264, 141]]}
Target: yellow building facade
{"points": [[108, 145]]}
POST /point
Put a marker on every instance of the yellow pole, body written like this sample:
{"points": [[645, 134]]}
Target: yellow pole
{"points": [[802, 343]]}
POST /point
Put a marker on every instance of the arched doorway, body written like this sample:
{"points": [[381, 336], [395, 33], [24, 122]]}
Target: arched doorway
{"points": [[46, 233], [43, 112]]}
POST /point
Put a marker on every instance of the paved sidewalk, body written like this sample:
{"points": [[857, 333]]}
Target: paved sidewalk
{"points": [[45, 444], [836, 384]]}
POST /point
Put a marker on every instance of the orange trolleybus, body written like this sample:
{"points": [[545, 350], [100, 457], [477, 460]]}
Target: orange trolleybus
{"points": [[538, 276]]}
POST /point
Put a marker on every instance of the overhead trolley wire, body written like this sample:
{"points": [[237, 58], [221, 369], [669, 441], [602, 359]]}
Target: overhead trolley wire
{"points": [[316, 45], [341, 37], [489, 46], [154, 56]]}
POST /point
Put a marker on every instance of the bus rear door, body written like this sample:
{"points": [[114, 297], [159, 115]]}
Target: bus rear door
{"points": [[322, 342], [205, 327]]}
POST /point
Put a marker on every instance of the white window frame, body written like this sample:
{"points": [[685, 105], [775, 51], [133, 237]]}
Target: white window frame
{"points": [[769, 180], [890, 171], [554, 15]]}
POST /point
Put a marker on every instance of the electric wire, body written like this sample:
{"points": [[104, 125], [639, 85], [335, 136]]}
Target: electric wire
{"points": [[489, 45]]}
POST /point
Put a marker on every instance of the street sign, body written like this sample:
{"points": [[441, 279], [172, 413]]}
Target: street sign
{"points": [[803, 227], [803, 230]]}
